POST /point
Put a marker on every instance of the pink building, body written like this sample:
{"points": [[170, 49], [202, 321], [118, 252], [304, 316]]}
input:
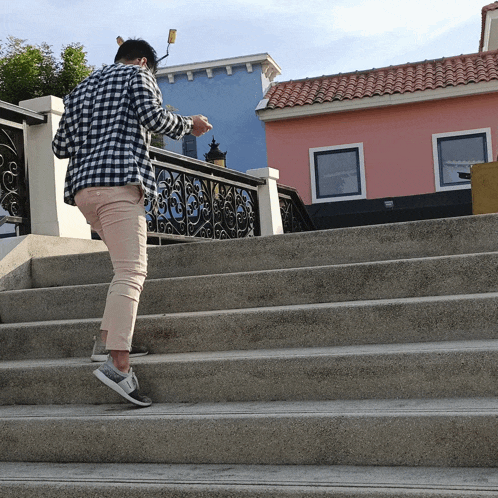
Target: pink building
{"points": [[387, 144]]}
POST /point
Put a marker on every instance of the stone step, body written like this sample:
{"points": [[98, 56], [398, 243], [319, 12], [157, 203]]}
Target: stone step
{"points": [[472, 234], [421, 370], [462, 274], [432, 433], [76, 480], [427, 319], [348, 363]]}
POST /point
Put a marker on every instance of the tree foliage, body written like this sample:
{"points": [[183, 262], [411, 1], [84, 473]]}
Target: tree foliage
{"points": [[30, 71]]}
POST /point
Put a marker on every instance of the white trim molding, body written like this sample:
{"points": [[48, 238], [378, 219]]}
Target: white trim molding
{"points": [[437, 175], [490, 38], [362, 185], [268, 67]]}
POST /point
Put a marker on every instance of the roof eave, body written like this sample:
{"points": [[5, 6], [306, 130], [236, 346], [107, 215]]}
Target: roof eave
{"points": [[264, 59], [310, 110]]}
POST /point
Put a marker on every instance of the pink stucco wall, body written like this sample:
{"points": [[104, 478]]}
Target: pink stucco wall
{"points": [[397, 142]]}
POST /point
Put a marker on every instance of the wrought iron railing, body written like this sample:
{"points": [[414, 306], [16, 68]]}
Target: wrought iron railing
{"points": [[13, 184], [200, 200], [197, 200], [295, 217], [14, 196]]}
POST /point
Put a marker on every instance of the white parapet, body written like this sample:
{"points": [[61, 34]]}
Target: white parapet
{"points": [[46, 174], [270, 218]]}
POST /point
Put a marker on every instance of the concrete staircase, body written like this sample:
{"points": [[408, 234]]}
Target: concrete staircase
{"points": [[346, 363]]}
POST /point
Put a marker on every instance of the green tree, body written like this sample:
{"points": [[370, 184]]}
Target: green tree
{"points": [[29, 71], [72, 70]]}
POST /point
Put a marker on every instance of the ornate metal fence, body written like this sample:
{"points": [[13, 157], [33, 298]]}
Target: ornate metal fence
{"points": [[295, 218], [197, 200], [14, 197], [201, 200], [13, 185]]}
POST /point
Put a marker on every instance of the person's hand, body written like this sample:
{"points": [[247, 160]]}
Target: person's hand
{"points": [[201, 125]]}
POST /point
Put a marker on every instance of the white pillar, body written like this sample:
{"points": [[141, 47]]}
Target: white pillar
{"points": [[270, 218], [46, 174]]}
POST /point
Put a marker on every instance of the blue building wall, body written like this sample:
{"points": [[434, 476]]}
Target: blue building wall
{"points": [[229, 101]]}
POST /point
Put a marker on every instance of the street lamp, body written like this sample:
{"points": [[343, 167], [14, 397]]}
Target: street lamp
{"points": [[215, 156]]}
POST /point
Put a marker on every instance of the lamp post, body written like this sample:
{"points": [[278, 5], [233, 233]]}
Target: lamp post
{"points": [[215, 156]]}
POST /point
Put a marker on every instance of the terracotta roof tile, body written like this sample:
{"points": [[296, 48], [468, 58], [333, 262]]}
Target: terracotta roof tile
{"points": [[406, 78]]}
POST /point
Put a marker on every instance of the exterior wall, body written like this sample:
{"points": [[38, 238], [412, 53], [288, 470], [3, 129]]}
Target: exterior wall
{"points": [[397, 142], [229, 102]]}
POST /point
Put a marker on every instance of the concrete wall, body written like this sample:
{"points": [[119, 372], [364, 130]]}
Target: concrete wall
{"points": [[397, 142], [229, 101]]}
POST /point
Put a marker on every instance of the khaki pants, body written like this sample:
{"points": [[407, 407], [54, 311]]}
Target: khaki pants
{"points": [[117, 214]]}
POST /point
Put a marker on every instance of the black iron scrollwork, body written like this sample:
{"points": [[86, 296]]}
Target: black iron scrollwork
{"points": [[197, 199], [196, 205], [295, 218], [13, 189]]}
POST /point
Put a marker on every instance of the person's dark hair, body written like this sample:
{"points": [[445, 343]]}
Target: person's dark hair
{"points": [[133, 49]]}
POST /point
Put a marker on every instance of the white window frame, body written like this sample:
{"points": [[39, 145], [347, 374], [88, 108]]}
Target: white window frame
{"points": [[435, 138], [363, 195]]}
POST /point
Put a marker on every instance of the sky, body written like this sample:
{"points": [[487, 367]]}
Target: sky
{"points": [[305, 38]]}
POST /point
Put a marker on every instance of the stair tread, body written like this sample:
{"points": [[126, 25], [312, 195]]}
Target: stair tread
{"points": [[462, 235], [483, 345], [339, 392], [295, 269], [289, 307], [466, 407], [401, 279], [457, 479]]}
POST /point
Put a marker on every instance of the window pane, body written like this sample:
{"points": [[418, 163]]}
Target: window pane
{"points": [[337, 173], [456, 154]]}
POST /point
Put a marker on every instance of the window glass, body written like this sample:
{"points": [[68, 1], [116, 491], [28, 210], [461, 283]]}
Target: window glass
{"points": [[337, 173], [456, 155]]}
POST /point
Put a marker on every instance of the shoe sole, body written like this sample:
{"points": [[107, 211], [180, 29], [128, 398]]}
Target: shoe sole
{"points": [[109, 383], [102, 358]]}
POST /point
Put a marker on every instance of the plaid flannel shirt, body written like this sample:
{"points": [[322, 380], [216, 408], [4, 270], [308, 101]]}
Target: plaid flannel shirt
{"points": [[105, 130]]}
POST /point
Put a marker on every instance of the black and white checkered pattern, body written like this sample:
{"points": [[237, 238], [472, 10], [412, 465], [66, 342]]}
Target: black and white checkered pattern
{"points": [[106, 128]]}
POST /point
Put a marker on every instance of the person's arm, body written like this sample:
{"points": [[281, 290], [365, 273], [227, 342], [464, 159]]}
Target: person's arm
{"points": [[147, 103], [201, 125]]}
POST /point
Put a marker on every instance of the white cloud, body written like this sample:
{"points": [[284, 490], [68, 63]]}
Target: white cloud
{"points": [[374, 17]]}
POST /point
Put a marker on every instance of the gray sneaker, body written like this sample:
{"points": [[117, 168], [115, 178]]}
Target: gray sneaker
{"points": [[100, 353], [125, 385]]}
